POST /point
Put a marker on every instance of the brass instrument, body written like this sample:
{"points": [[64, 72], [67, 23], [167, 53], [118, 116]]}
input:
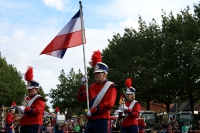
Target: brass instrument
{"points": [[3, 111], [121, 115], [123, 104], [116, 122]]}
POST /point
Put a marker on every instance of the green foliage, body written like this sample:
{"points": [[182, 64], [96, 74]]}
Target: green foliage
{"points": [[65, 95], [181, 52], [41, 92], [163, 62], [12, 87]]}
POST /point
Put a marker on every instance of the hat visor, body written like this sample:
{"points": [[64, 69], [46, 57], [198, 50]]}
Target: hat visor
{"points": [[130, 93], [99, 71], [11, 108], [31, 87]]}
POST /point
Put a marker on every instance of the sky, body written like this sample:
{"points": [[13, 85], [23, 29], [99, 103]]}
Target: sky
{"points": [[28, 26]]}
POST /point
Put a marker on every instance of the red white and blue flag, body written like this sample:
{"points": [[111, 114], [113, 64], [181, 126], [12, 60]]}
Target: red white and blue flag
{"points": [[69, 36]]}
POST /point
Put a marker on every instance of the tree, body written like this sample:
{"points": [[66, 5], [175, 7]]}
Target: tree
{"points": [[162, 61], [41, 92], [135, 55], [12, 87], [181, 35], [64, 96]]}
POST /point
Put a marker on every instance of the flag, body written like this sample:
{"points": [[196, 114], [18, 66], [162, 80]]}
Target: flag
{"points": [[69, 36], [121, 99]]}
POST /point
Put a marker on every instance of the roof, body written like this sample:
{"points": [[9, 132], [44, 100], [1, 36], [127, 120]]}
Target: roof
{"points": [[183, 106], [156, 107]]}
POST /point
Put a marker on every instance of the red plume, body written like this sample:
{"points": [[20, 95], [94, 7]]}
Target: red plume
{"points": [[13, 104], [29, 74], [128, 82], [57, 109], [96, 57]]}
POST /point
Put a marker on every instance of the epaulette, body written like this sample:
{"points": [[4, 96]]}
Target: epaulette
{"points": [[113, 85], [40, 97]]}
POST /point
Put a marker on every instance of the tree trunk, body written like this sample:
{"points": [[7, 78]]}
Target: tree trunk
{"points": [[148, 104]]}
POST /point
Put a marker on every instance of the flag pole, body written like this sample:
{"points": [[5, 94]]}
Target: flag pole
{"points": [[83, 41]]}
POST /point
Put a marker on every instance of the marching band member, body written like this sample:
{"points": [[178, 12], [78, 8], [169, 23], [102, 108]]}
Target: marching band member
{"points": [[57, 110], [58, 128], [141, 124], [10, 119], [32, 120], [102, 96], [131, 109]]}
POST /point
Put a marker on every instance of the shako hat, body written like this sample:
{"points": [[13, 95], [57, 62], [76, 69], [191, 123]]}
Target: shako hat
{"points": [[29, 78], [13, 104], [11, 108], [129, 88], [97, 63]]}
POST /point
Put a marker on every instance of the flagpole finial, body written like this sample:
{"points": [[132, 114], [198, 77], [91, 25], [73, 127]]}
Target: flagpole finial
{"points": [[80, 5]]}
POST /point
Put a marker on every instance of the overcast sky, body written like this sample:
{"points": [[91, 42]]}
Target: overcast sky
{"points": [[27, 26]]}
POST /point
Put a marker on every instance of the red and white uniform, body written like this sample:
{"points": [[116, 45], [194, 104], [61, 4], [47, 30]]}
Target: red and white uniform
{"points": [[34, 113], [103, 109], [9, 118], [133, 114], [9, 123]]}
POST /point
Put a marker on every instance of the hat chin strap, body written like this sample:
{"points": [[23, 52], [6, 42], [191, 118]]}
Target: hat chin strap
{"points": [[98, 78], [31, 93]]}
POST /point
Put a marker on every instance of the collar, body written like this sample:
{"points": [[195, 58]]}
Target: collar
{"points": [[33, 95], [103, 82], [129, 101]]}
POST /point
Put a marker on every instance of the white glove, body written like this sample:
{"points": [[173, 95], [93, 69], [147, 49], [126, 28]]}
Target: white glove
{"points": [[88, 114], [123, 107], [12, 127], [84, 80], [21, 109]]}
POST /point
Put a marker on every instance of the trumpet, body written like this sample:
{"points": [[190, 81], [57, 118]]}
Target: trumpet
{"points": [[4, 111], [123, 104], [118, 119], [121, 114]]}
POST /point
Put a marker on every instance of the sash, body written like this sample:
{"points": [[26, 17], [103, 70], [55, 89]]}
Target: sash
{"points": [[131, 106], [32, 100], [101, 94]]}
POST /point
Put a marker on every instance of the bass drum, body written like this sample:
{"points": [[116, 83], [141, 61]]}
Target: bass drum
{"points": [[60, 120]]}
